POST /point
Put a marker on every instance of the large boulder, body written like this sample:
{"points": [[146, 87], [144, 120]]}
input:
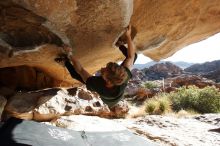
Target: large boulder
{"points": [[32, 32], [164, 27], [49, 104]]}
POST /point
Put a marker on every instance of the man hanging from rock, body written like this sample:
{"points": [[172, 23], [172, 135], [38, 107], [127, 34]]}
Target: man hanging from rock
{"points": [[110, 85]]}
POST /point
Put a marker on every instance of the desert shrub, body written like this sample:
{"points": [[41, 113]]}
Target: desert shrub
{"points": [[150, 85], [158, 105], [206, 100], [151, 106], [184, 98], [164, 104]]}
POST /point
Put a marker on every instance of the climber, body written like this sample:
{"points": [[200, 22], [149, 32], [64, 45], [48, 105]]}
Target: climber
{"points": [[110, 85]]}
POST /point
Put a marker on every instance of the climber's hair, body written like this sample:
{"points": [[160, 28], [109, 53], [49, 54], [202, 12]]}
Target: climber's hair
{"points": [[116, 74]]}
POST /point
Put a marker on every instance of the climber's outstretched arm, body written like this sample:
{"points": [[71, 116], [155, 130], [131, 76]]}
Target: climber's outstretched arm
{"points": [[129, 61], [77, 65]]}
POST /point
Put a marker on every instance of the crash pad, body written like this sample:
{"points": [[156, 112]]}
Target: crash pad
{"points": [[17, 132]]}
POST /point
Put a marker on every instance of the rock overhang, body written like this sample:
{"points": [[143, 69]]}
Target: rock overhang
{"points": [[33, 31]]}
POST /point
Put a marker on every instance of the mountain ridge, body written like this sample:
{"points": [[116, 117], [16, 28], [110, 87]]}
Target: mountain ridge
{"points": [[181, 64]]}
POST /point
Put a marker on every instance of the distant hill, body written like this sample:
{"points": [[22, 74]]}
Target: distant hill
{"points": [[209, 70], [204, 67], [165, 69], [180, 64], [162, 70]]}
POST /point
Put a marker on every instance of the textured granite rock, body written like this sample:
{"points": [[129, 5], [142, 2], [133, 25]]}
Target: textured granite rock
{"points": [[31, 32], [49, 104]]}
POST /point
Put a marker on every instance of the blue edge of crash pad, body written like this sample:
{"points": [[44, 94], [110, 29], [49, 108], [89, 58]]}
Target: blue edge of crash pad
{"points": [[17, 132]]}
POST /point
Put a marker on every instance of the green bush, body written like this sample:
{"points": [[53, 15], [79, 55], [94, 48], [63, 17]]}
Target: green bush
{"points": [[151, 106], [150, 85], [158, 105], [164, 104], [184, 98], [206, 100]]}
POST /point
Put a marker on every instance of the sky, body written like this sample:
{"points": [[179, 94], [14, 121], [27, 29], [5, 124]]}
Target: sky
{"points": [[203, 51]]}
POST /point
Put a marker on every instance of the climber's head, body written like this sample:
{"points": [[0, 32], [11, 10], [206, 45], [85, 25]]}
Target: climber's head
{"points": [[114, 74]]}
